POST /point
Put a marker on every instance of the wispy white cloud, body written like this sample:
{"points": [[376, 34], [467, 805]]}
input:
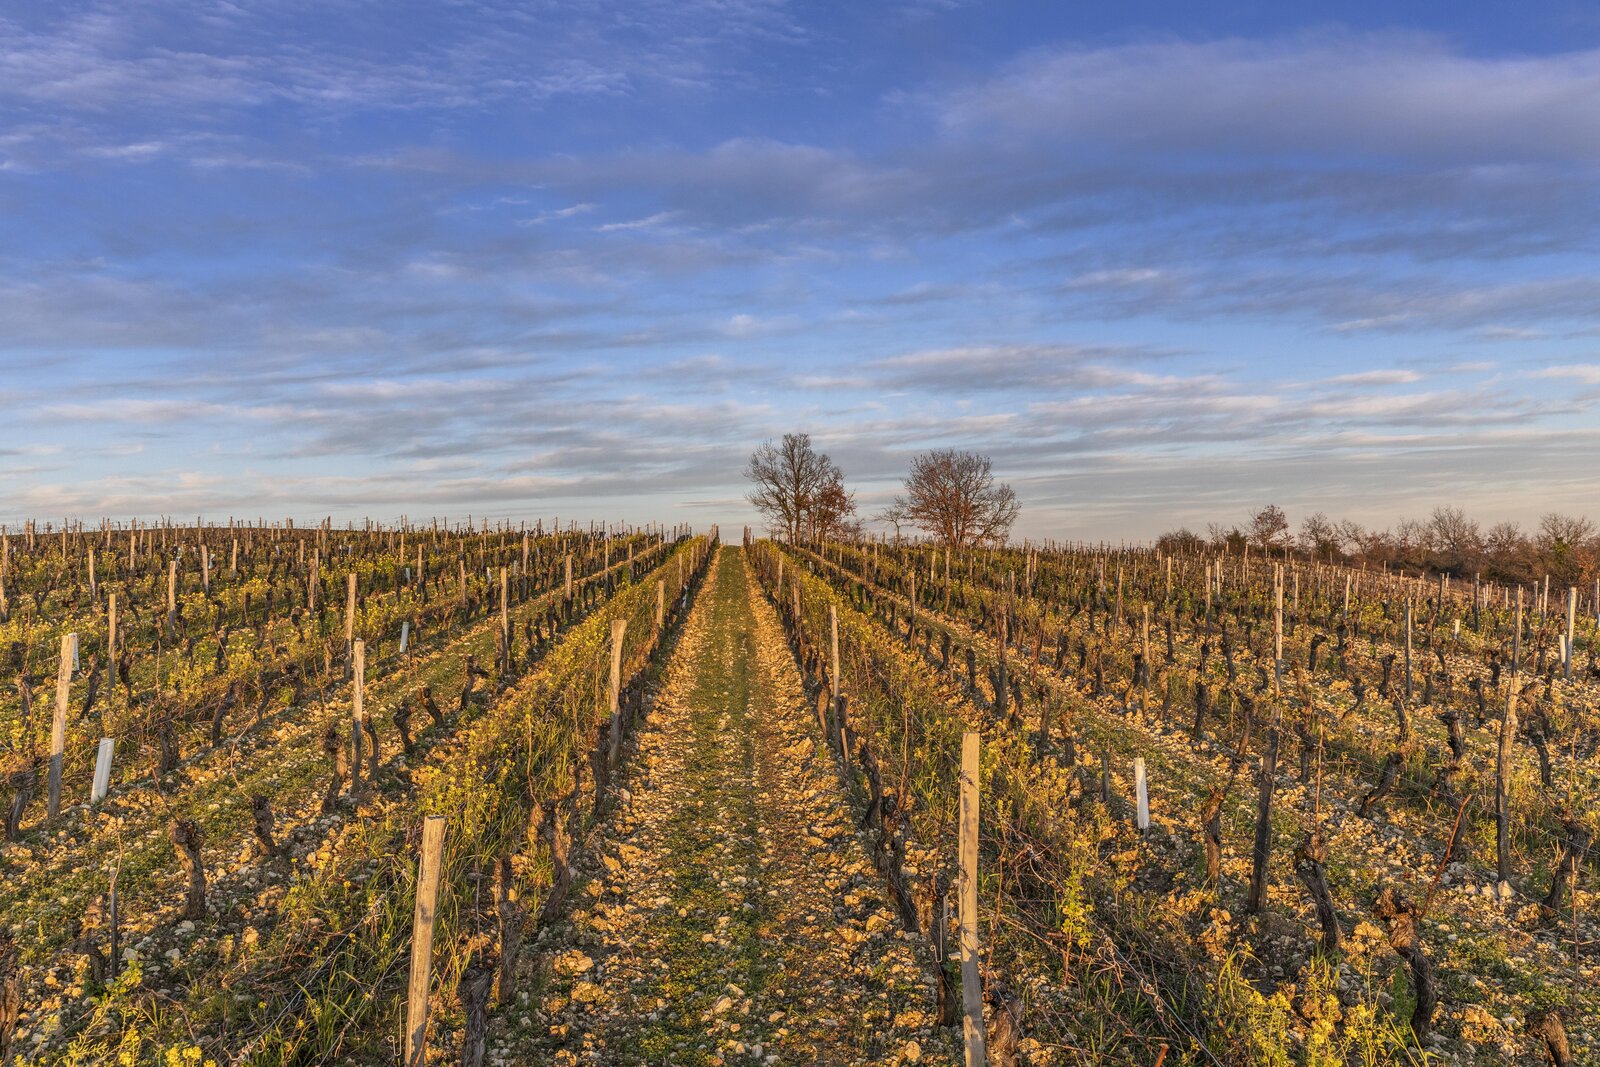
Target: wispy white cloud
{"points": [[1377, 377], [1586, 373], [1396, 94], [556, 214], [648, 222]]}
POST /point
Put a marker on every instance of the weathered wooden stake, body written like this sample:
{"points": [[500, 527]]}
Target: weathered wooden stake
{"points": [[416, 1042], [358, 711], [1141, 795], [1408, 648], [1572, 630], [1277, 628], [58, 725], [111, 638], [618, 628], [1502, 792], [833, 683], [505, 609], [113, 924], [349, 608], [971, 984], [1516, 638]]}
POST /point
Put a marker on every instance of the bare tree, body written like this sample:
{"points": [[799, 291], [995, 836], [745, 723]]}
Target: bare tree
{"points": [[953, 496], [895, 515], [830, 515], [791, 478], [1410, 542], [1565, 542], [1506, 543], [1319, 536], [1557, 529], [1354, 538], [1454, 537], [1269, 528]]}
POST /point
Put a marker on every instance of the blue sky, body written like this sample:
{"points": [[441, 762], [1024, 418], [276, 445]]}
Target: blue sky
{"points": [[1163, 262]]}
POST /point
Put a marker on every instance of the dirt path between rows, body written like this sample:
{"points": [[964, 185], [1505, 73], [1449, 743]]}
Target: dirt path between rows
{"points": [[728, 912]]}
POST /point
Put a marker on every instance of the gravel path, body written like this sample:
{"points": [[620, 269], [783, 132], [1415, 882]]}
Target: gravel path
{"points": [[729, 913]]}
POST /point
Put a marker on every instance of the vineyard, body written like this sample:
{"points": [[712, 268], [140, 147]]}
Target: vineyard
{"points": [[494, 794]]}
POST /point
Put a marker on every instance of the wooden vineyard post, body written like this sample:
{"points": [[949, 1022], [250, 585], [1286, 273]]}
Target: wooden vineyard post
{"points": [[833, 680], [1516, 639], [1277, 628], [233, 560], [1000, 692], [102, 771], [416, 1042], [911, 626], [1572, 630], [504, 651], [1408, 648], [618, 628], [111, 637], [113, 924], [1141, 794], [661, 603], [1502, 792], [205, 567], [971, 984], [1144, 640], [568, 594], [58, 725], [94, 586], [349, 608], [172, 591], [358, 711]]}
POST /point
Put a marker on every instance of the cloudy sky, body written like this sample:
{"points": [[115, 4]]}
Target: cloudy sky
{"points": [[1164, 262]]}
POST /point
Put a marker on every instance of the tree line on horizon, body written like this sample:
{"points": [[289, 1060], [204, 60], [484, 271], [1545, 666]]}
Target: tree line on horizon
{"points": [[1564, 547], [952, 498]]}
